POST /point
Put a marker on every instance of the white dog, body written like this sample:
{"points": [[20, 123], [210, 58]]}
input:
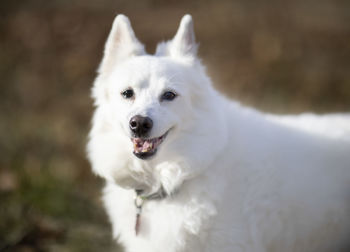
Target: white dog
{"points": [[189, 170]]}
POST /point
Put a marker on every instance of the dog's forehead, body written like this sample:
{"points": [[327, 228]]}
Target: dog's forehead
{"points": [[142, 70], [154, 65]]}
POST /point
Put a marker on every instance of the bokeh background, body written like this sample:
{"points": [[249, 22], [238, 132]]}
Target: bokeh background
{"points": [[278, 56]]}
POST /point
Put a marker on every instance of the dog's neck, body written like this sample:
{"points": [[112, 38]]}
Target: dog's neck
{"points": [[158, 195]]}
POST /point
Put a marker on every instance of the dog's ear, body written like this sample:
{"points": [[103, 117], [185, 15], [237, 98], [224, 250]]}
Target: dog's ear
{"points": [[121, 44], [184, 42]]}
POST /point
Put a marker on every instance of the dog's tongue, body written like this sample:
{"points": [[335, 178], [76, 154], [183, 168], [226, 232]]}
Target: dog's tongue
{"points": [[145, 145]]}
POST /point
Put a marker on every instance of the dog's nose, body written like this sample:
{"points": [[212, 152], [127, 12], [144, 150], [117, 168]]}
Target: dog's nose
{"points": [[140, 125]]}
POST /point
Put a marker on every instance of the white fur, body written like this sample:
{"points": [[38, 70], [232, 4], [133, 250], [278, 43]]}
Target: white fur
{"points": [[237, 179]]}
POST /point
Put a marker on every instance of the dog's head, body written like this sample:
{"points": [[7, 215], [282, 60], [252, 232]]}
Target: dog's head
{"points": [[156, 107]]}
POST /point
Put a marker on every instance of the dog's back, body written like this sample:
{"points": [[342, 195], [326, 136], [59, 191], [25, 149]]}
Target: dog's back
{"points": [[293, 184]]}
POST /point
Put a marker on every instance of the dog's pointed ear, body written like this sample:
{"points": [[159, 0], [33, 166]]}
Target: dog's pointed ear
{"points": [[184, 42], [120, 45]]}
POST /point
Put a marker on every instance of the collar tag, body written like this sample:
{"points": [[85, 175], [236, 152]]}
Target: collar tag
{"points": [[138, 204], [140, 199]]}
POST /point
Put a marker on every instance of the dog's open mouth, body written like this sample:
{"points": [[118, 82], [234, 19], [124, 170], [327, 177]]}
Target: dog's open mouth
{"points": [[145, 148]]}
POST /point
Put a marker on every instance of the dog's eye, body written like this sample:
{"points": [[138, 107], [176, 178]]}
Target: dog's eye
{"points": [[127, 94], [168, 96]]}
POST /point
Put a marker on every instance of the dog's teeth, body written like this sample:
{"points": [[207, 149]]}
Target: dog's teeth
{"points": [[146, 145]]}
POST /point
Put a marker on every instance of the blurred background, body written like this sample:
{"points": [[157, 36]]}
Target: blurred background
{"points": [[278, 56]]}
